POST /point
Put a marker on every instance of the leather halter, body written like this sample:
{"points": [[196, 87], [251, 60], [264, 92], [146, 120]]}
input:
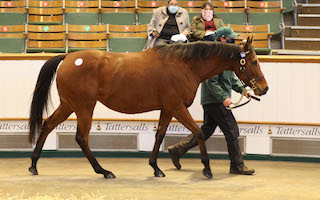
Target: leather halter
{"points": [[243, 69], [252, 81]]}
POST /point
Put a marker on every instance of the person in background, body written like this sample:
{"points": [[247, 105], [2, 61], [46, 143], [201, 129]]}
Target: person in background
{"points": [[203, 26], [169, 24], [226, 35], [215, 97]]}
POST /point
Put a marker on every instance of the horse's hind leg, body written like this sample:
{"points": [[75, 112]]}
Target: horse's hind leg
{"points": [[82, 137], [164, 121], [183, 116], [60, 115]]}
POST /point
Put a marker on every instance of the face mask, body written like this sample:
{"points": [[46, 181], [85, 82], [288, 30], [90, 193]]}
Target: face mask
{"points": [[173, 9], [230, 40], [207, 14]]}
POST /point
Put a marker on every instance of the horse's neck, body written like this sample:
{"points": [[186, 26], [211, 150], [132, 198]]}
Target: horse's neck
{"points": [[207, 68]]}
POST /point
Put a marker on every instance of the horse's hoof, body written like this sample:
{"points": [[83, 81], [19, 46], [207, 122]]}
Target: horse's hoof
{"points": [[109, 175], [207, 173], [159, 174], [33, 170]]}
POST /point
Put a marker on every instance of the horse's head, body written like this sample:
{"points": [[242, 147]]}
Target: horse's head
{"points": [[248, 69]]}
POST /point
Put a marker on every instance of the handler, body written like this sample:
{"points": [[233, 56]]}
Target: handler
{"points": [[215, 96]]}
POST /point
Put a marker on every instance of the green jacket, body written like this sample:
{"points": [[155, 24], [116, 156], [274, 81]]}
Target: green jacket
{"points": [[198, 27], [218, 88]]}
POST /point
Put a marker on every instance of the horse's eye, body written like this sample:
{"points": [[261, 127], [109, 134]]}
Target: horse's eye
{"points": [[254, 62]]}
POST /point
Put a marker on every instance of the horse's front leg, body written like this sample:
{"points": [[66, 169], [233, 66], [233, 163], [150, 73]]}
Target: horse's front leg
{"points": [[182, 115], [164, 121]]}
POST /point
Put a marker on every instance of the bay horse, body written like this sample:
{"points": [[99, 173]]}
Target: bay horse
{"points": [[162, 78]]}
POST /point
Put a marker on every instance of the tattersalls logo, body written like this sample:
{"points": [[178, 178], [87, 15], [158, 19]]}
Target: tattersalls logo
{"points": [[251, 130], [66, 127], [125, 127], [297, 131], [245, 129], [178, 128], [14, 126]]}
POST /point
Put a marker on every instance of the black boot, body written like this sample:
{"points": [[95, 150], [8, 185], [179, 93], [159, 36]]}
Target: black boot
{"points": [[244, 170], [179, 149], [237, 165]]}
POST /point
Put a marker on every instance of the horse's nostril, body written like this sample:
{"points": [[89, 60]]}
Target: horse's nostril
{"points": [[265, 90]]}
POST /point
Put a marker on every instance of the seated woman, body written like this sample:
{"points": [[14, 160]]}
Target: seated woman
{"points": [[169, 24], [204, 25]]}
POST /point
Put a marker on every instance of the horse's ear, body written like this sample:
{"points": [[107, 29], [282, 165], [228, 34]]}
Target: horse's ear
{"points": [[248, 43]]}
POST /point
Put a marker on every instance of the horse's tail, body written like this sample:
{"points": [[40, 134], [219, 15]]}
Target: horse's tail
{"points": [[41, 95]]}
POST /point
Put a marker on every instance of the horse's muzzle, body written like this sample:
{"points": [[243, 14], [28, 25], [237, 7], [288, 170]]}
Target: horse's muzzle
{"points": [[264, 91]]}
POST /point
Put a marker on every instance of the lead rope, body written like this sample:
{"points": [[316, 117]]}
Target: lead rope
{"points": [[237, 104]]}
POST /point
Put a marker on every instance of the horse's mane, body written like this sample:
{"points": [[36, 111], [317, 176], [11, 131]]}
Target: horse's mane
{"points": [[198, 49]]}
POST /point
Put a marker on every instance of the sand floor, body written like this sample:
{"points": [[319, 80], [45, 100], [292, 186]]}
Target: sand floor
{"points": [[73, 178]]}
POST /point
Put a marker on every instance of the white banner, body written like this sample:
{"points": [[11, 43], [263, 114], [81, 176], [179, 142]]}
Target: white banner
{"points": [[173, 128]]}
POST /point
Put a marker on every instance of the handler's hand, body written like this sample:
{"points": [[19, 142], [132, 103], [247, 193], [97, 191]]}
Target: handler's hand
{"points": [[185, 33], [247, 94], [155, 34], [227, 102]]}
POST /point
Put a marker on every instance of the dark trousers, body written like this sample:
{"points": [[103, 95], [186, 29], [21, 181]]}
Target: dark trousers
{"points": [[211, 37], [217, 115]]}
